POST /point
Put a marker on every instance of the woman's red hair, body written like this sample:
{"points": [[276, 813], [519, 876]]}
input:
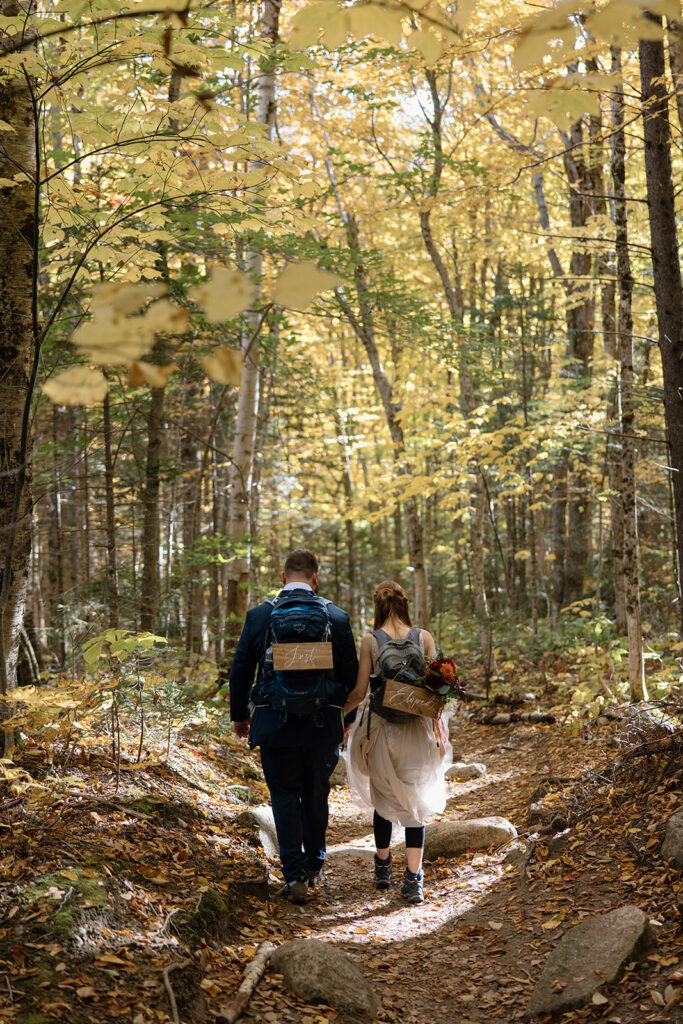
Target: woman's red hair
{"points": [[390, 602]]}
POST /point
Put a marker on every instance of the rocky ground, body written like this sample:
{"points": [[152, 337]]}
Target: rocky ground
{"points": [[118, 904]]}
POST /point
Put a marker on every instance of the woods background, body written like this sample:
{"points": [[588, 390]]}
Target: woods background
{"points": [[398, 282]]}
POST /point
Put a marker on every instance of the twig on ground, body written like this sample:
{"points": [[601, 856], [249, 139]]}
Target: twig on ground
{"points": [[67, 897], [674, 740], [228, 1013], [169, 988], [169, 917], [115, 807], [11, 803]]}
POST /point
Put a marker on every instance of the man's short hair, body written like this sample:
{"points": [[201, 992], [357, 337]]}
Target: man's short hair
{"points": [[301, 562]]}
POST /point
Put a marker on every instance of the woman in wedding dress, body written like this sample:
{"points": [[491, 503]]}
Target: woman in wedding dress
{"points": [[396, 768]]}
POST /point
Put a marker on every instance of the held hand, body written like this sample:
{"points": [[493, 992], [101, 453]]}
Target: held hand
{"points": [[242, 729]]}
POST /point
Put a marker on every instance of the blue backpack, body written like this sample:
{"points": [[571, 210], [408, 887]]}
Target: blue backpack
{"points": [[297, 616]]}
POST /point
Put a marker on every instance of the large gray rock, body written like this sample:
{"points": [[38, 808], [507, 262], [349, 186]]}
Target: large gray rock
{"points": [[639, 723], [587, 957], [345, 858], [517, 855], [672, 847], [463, 771], [319, 973], [451, 838], [260, 819]]}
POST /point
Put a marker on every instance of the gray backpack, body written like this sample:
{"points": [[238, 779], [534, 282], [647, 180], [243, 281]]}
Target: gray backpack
{"points": [[403, 660]]}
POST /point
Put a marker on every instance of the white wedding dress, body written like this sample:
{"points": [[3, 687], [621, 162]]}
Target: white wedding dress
{"points": [[398, 769]]}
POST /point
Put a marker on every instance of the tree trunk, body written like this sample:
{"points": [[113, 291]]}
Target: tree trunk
{"points": [[18, 334], [191, 492], [559, 537], [112, 568], [580, 326], [629, 568], [675, 38], [150, 525], [55, 553], [84, 489], [247, 407], [665, 263]]}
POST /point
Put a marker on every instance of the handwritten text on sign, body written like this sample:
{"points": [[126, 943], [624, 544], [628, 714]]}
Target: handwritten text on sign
{"points": [[413, 699], [295, 657]]}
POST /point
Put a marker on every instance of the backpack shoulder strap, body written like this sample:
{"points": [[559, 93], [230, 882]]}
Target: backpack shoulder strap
{"points": [[374, 649], [417, 638], [381, 636]]}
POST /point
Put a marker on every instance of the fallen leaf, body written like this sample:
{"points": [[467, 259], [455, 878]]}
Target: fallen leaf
{"points": [[554, 922]]}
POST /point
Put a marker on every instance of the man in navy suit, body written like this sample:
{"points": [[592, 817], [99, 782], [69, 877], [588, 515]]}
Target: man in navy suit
{"points": [[298, 752]]}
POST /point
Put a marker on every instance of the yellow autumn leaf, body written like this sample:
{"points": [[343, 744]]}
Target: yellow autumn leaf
{"points": [[554, 922], [148, 373], [299, 283], [114, 339], [224, 296], [377, 20], [123, 298], [306, 26], [622, 24], [165, 317], [337, 26], [79, 385], [428, 44], [224, 365]]}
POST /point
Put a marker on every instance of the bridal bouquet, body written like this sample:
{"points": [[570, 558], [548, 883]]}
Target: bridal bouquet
{"points": [[441, 677]]}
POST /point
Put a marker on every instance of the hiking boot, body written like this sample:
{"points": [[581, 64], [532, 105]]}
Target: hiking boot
{"points": [[295, 892], [382, 872], [411, 890], [315, 877]]}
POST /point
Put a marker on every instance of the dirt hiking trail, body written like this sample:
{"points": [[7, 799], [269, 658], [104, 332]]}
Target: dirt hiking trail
{"points": [[471, 953]]}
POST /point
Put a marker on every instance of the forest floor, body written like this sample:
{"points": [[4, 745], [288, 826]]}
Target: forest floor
{"points": [[100, 884]]}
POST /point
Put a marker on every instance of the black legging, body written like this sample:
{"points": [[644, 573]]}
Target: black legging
{"points": [[415, 835]]}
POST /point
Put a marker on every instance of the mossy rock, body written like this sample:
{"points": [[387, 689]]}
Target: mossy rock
{"points": [[167, 810], [43, 974], [34, 1018], [215, 918], [143, 805], [86, 890]]}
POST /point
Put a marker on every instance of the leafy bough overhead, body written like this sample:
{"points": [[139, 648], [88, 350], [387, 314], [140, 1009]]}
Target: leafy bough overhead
{"points": [[120, 333]]}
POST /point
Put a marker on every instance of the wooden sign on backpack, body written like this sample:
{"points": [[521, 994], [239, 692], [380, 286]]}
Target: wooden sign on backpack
{"points": [[298, 657], [413, 699]]}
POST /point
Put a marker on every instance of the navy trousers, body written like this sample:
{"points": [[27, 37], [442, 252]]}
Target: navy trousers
{"points": [[298, 779]]}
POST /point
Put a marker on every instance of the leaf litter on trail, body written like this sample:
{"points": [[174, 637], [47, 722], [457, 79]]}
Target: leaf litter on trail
{"points": [[157, 867]]}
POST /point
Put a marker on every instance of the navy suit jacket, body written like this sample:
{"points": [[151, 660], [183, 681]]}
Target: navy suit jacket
{"points": [[267, 726]]}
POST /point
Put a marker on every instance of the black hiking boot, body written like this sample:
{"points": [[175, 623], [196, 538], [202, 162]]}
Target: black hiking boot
{"points": [[411, 890], [295, 892], [382, 872]]}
